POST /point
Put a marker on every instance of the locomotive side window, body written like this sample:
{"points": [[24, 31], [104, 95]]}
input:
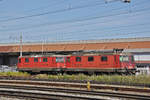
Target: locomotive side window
{"points": [[104, 58], [91, 58], [44, 59], [26, 60], [19, 60], [78, 59], [40, 59], [35, 59], [68, 59]]}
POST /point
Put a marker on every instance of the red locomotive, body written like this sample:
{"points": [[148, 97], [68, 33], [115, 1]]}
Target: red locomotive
{"points": [[79, 63]]}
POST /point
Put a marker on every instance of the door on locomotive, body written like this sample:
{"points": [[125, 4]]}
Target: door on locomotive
{"points": [[127, 61], [60, 61]]}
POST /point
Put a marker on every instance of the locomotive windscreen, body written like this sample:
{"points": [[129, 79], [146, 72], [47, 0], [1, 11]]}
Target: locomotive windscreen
{"points": [[124, 58]]}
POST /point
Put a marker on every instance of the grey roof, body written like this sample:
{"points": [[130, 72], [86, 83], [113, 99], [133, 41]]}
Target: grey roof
{"points": [[138, 51]]}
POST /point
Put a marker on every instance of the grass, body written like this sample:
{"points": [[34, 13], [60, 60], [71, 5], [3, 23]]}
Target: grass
{"points": [[14, 74], [107, 79]]}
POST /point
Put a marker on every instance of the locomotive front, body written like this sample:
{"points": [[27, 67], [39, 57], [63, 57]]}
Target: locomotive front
{"points": [[127, 62]]}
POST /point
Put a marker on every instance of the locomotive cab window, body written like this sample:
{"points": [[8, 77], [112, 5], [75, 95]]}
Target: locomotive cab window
{"points": [[91, 58], [78, 59], [26, 60], [104, 58], [35, 59], [44, 59]]}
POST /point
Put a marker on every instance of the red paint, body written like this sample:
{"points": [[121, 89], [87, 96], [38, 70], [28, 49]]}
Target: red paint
{"points": [[77, 62]]}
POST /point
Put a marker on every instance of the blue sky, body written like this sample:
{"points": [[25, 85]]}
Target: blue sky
{"points": [[67, 20]]}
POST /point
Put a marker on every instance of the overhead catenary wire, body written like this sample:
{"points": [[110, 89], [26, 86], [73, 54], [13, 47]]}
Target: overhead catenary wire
{"points": [[53, 23], [91, 18], [51, 12], [94, 37], [84, 32], [137, 25], [83, 22], [80, 20], [46, 6], [115, 28], [103, 36]]}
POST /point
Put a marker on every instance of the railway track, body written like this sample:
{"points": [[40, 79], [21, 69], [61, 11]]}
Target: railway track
{"points": [[61, 90]]}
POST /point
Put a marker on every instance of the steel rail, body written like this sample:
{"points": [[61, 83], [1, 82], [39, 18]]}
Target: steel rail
{"points": [[85, 92], [45, 96], [67, 88], [78, 85]]}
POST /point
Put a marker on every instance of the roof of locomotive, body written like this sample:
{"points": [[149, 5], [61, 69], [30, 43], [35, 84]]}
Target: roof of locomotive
{"points": [[75, 54], [48, 55], [89, 54]]}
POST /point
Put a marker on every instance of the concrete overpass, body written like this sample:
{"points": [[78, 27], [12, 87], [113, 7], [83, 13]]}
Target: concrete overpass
{"points": [[10, 52]]}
